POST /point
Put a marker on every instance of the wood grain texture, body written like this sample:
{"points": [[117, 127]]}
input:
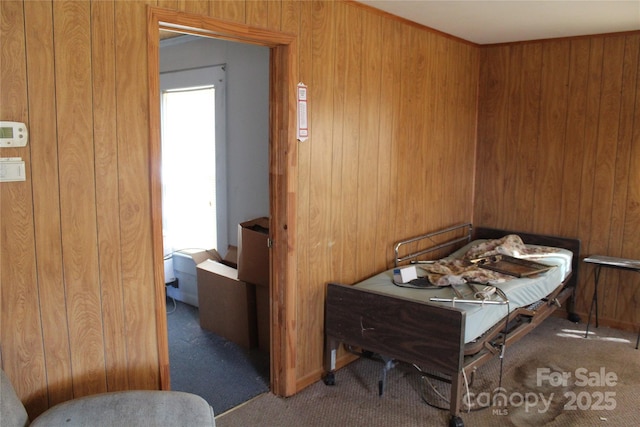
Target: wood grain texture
{"points": [[200, 7], [72, 40], [390, 101], [625, 190], [257, 13], [575, 133], [336, 240], [231, 10], [349, 56], [321, 96], [368, 201], [23, 353], [46, 193], [106, 155], [134, 188], [577, 138]]}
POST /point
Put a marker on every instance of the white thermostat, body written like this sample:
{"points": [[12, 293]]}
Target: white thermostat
{"points": [[13, 134]]}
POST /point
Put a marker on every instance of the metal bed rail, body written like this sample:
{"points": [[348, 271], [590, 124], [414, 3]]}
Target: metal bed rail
{"points": [[466, 238]]}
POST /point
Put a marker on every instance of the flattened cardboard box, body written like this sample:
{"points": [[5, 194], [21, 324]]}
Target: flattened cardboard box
{"points": [[263, 318], [227, 305], [253, 251]]}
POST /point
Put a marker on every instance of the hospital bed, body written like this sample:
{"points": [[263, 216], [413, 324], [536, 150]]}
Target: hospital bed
{"points": [[450, 330]]}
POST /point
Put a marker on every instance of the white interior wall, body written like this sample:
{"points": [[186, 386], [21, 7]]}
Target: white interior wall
{"points": [[247, 125]]}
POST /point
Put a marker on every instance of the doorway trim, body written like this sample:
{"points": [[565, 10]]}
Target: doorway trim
{"points": [[282, 181]]}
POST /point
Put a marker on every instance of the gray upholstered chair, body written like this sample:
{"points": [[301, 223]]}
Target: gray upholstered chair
{"points": [[124, 408]]}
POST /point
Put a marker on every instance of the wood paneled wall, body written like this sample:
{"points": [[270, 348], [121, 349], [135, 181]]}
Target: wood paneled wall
{"points": [[392, 110], [559, 152]]}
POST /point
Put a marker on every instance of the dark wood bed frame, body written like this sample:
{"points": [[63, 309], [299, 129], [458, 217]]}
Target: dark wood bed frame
{"points": [[395, 327]]}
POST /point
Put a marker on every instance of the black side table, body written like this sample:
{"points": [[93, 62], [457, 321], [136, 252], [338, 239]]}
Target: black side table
{"points": [[600, 261]]}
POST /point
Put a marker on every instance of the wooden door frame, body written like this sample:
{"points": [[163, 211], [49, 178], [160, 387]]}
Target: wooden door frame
{"points": [[282, 180]]}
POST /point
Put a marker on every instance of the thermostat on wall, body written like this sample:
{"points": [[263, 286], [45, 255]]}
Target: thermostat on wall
{"points": [[13, 134]]}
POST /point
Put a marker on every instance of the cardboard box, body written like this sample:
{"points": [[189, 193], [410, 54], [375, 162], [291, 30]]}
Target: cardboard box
{"points": [[263, 318], [183, 265], [231, 258], [227, 305], [253, 251]]}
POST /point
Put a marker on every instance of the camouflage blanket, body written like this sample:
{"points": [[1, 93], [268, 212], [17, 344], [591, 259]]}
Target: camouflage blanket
{"points": [[446, 272]]}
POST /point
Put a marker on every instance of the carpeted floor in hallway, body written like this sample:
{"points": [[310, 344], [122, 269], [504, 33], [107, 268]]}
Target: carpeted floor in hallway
{"points": [[205, 364]]}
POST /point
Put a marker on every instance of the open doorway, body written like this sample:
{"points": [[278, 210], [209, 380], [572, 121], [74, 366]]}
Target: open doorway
{"points": [[215, 170], [282, 182]]}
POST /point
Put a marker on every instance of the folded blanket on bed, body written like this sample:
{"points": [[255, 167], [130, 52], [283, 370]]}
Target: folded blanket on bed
{"points": [[511, 245], [446, 272]]}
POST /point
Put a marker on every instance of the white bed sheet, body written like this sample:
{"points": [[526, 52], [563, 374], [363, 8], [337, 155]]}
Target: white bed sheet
{"points": [[521, 292]]}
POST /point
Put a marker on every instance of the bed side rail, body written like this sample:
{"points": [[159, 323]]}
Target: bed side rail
{"points": [[429, 238]]}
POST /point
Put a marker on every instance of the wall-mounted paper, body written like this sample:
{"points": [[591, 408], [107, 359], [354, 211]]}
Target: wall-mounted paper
{"points": [[303, 127]]}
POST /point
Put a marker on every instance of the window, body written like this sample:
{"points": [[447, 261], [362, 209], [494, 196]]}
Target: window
{"points": [[189, 168]]}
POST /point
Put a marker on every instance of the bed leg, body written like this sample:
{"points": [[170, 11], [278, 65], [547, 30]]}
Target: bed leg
{"points": [[456, 421], [456, 401], [331, 350], [389, 364], [572, 316]]}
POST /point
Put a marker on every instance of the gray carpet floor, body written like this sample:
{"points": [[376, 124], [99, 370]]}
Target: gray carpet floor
{"points": [[203, 363], [533, 372]]}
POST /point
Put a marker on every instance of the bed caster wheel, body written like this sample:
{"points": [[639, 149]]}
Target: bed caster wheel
{"points": [[456, 422], [330, 379], [573, 317]]}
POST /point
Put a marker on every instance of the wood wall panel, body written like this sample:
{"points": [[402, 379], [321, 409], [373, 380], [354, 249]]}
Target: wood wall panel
{"points": [[72, 41], [575, 133], [392, 108], [231, 10], [629, 136], [134, 199], [304, 240], [605, 172], [349, 80], [367, 177], [103, 51], [528, 139], [199, 7], [274, 15], [551, 133], [493, 92], [337, 242], [350, 175], [257, 13], [580, 132], [388, 118], [321, 94], [46, 191], [22, 349]]}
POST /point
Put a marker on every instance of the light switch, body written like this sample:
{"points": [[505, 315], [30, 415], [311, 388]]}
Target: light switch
{"points": [[12, 169]]}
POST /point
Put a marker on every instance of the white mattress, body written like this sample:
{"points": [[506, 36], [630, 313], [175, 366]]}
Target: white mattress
{"points": [[521, 292]]}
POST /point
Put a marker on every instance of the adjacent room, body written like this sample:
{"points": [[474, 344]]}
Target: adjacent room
{"points": [[215, 158]]}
